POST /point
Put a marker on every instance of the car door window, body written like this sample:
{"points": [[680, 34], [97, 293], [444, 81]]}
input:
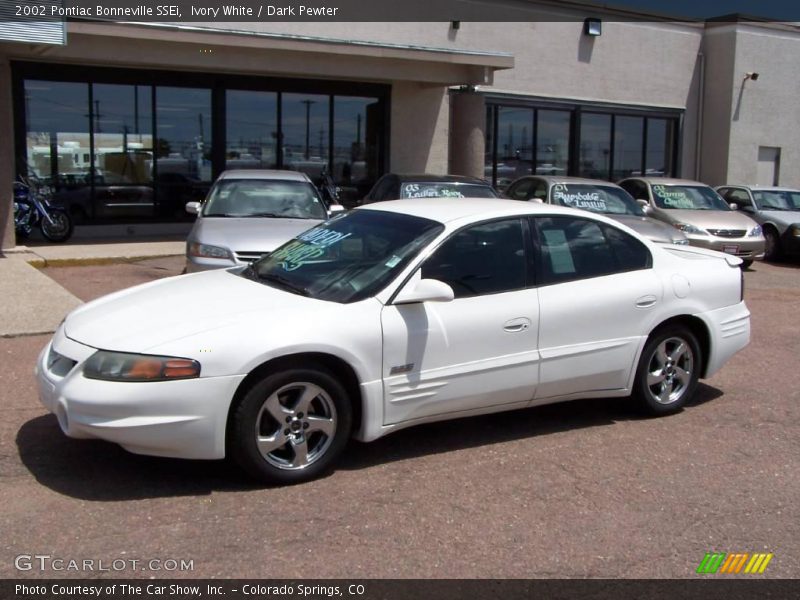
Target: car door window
{"points": [[637, 189], [487, 258], [740, 197], [573, 249], [540, 193], [520, 190]]}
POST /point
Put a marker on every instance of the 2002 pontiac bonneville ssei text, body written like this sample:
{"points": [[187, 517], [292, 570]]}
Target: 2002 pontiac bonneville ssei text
{"points": [[388, 316]]}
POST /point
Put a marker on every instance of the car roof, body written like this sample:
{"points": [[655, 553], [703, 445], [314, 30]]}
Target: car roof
{"points": [[667, 181], [554, 179], [761, 188], [446, 210], [429, 178], [272, 174]]}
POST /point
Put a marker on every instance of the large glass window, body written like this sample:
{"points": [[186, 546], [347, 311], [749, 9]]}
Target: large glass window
{"points": [[183, 122], [305, 121], [628, 143], [609, 143], [660, 144], [595, 146], [131, 146], [251, 127], [355, 145], [552, 142], [514, 144], [57, 135]]}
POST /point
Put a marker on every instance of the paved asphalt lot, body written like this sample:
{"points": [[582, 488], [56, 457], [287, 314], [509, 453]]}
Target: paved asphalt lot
{"points": [[582, 489]]}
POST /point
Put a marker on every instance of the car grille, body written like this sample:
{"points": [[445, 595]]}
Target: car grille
{"points": [[728, 233], [247, 256], [58, 364]]}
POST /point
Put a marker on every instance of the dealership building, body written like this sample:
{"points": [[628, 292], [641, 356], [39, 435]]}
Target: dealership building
{"points": [[128, 121]]}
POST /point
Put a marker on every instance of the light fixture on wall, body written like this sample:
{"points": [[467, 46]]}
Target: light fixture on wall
{"points": [[593, 27], [752, 75], [456, 25]]}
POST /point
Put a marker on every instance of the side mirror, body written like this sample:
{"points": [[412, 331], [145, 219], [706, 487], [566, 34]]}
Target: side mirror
{"points": [[642, 202], [425, 290], [733, 206], [335, 209], [193, 208]]}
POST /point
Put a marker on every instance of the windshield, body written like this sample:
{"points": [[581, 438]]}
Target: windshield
{"points": [[444, 189], [688, 197], [347, 258], [599, 199], [777, 200], [264, 198]]}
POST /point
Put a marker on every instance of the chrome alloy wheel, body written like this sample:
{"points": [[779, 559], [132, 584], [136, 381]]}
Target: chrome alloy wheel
{"points": [[295, 426], [669, 371]]}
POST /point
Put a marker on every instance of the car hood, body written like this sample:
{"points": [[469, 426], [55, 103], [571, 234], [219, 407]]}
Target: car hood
{"points": [[144, 317], [254, 234], [653, 230], [784, 217], [715, 219]]}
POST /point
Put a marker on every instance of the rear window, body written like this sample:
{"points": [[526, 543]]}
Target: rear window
{"points": [[446, 190]]}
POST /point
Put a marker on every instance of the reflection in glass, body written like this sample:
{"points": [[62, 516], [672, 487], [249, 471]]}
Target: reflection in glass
{"points": [[595, 146], [659, 148], [514, 144], [552, 142], [305, 121], [252, 130], [57, 131], [628, 136], [184, 132], [356, 122]]}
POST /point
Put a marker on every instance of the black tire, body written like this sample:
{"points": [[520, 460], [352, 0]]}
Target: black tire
{"points": [[305, 443], [668, 370], [60, 230], [772, 249], [746, 264]]}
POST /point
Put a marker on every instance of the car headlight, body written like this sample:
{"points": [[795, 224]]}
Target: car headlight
{"points": [[208, 251], [681, 242], [755, 231], [121, 366], [689, 228]]}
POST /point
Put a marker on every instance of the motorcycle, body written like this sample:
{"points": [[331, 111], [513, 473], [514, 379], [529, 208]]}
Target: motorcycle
{"points": [[32, 208]]}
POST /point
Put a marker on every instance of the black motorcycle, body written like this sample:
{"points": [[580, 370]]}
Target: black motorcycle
{"points": [[32, 208]]}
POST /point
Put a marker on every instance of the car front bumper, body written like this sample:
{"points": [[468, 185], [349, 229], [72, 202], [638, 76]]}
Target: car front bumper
{"points": [[180, 419], [745, 248]]}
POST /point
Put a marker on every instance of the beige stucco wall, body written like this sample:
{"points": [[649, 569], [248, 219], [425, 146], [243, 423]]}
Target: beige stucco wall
{"points": [[765, 112], [420, 119]]}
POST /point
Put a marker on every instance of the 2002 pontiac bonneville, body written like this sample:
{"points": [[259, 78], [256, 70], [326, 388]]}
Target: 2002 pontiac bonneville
{"points": [[388, 316]]}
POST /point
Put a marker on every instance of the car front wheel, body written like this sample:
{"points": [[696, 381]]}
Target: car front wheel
{"points": [[668, 370], [290, 426]]}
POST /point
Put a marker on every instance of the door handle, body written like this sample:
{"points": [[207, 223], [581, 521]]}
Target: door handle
{"points": [[646, 301], [516, 325]]}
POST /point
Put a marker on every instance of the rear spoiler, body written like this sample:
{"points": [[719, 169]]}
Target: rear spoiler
{"points": [[733, 261]]}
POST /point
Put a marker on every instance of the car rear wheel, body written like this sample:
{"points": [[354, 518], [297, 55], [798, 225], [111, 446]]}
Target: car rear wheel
{"points": [[668, 370], [291, 426]]}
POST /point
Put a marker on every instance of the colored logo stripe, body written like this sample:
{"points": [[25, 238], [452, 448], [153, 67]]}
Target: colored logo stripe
{"points": [[734, 562]]}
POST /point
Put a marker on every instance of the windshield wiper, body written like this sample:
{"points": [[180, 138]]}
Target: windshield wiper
{"points": [[286, 284], [274, 216]]}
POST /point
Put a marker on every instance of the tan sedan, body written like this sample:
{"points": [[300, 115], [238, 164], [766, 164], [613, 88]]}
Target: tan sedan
{"points": [[698, 211]]}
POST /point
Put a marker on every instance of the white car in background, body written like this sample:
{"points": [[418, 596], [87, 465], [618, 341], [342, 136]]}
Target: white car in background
{"points": [[391, 315], [249, 213]]}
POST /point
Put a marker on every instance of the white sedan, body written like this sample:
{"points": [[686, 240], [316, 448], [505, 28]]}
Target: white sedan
{"points": [[392, 315]]}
